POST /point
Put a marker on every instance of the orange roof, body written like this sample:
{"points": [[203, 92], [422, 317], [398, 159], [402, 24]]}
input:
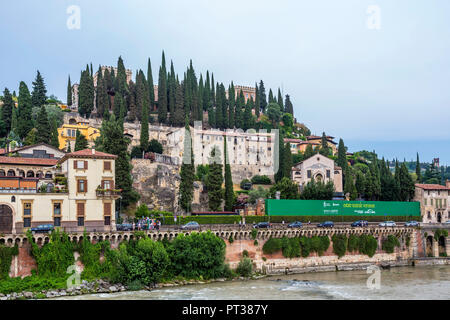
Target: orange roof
{"points": [[431, 186], [28, 161], [88, 153]]}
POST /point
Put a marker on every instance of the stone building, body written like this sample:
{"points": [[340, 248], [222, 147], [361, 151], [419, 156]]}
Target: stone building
{"points": [[249, 92], [76, 193], [319, 168], [434, 202], [67, 134]]}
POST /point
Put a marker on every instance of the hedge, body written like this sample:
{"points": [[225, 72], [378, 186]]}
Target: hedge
{"points": [[203, 220]]}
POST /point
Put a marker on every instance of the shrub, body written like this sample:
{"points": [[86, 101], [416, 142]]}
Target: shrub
{"points": [[291, 247], [245, 267], [305, 246], [261, 179], [6, 254], [230, 239], [272, 245], [390, 243], [142, 211], [255, 243], [245, 253], [339, 244], [254, 233], [246, 184], [324, 244], [440, 232], [353, 243]]}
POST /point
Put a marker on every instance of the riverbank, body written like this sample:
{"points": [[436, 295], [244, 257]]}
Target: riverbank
{"points": [[104, 287]]}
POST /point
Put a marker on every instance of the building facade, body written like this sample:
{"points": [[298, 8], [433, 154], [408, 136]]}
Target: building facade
{"points": [[434, 202], [80, 195], [67, 134], [319, 168]]}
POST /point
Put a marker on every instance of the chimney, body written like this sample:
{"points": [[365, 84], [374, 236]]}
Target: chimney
{"points": [[93, 151], [447, 183]]}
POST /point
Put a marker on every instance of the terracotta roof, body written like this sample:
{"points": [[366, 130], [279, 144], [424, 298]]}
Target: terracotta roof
{"points": [[28, 161], [88, 153], [3, 151], [329, 138], [431, 186], [337, 167], [293, 140]]}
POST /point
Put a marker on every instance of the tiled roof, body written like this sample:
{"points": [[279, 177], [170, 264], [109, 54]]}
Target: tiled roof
{"points": [[431, 186], [88, 153], [28, 161]]}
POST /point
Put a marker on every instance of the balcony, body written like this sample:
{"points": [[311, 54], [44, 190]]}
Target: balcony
{"points": [[108, 193]]}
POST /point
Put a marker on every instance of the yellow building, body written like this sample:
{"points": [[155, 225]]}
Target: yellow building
{"points": [[81, 195], [68, 132]]}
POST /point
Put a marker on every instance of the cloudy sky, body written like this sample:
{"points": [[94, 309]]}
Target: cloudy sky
{"points": [[377, 81]]}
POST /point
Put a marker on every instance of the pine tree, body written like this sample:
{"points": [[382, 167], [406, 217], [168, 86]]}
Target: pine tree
{"points": [[178, 116], [219, 111], [418, 172], [360, 183], [214, 180], [102, 98], [407, 188], [162, 96], [187, 172], [121, 79], [43, 133], [80, 141], [324, 148], [239, 117], [229, 193], [133, 112], [287, 161], [142, 97], [280, 101], [171, 96], [69, 92], [248, 116], [7, 109], [24, 109], [54, 140], [112, 140], [39, 94], [231, 107]]}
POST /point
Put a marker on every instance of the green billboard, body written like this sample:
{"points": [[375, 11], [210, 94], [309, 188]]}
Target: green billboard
{"points": [[341, 208]]}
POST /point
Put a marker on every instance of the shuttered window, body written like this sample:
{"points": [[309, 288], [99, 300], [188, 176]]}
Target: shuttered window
{"points": [[81, 186], [107, 208], [106, 165], [80, 209]]}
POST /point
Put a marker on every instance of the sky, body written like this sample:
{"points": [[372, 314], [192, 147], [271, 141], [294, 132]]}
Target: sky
{"points": [[372, 72]]}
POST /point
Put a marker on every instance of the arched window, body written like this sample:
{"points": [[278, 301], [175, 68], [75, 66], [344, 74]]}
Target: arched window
{"points": [[11, 173], [21, 173], [48, 175], [39, 174], [2, 173], [13, 199], [30, 174]]}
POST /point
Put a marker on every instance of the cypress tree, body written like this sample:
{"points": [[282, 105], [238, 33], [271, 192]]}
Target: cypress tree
{"points": [[7, 109], [69, 92], [271, 98], [80, 141], [121, 78], [324, 149], [262, 97], [219, 111], [69, 148], [54, 141], [288, 105], [280, 101], [187, 172], [39, 94], [342, 156], [14, 122], [207, 103], [133, 113], [85, 94], [229, 193], [418, 172], [151, 88], [24, 109], [407, 188], [162, 96], [231, 107], [200, 98], [287, 162], [101, 95], [214, 180], [257, 102], [239, 117], [279, 145], [142, 97], [171, 97], [360, 183], [43, 133]]}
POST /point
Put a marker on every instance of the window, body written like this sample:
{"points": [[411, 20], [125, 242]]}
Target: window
{"points": [[80, 221], [106, 165], [309, 174], [426, 201], [80, 213], [431, 200], [57, 221], [107, 213], [328, 173], [81, 186], [80, 164], [26, 222], [57, 208], [107, 184], [27, 208], [107, 221]]}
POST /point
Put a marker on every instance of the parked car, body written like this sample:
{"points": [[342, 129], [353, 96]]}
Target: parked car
{"points": [[360, 223], [43, 228], [295, 224], [192, 225], [124, 227], [447, 222], [261, 225], [411, 224], [387, 224], [326, 224]]}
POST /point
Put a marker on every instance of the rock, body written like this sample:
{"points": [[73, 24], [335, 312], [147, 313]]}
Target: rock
{"points": [[28, 294], [62, 293], [49, 295], [113, 289]]}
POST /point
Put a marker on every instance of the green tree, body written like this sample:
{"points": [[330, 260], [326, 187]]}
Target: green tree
{"points": [[287, 161], [324, 148], [229, 193], [288, 189], [69, 92], [54, 141], [317, 191], [39, 94], [262, 97], [288, 108], [102, 98], [418, 171], [214, 180], [85, 94], [80, 141], [162, 92], [7, 109], [151, 89], [187, 172], [274, 113], [342, 156], [30, 139], [43, 133], [24, 109]]}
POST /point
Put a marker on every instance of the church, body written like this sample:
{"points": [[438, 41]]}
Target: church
{"points": [[319, 168]]}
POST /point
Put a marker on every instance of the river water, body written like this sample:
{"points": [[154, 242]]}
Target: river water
{"points": [[431, 283]]}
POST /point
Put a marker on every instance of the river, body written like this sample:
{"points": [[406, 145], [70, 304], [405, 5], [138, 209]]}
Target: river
{"points": [[427, 282]]}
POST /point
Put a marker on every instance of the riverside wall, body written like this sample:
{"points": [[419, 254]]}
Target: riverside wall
{"points": [[23, 263]]}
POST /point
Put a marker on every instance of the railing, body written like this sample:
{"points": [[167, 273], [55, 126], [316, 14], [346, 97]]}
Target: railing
{"points": [[3, 190], [108, 193]]}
